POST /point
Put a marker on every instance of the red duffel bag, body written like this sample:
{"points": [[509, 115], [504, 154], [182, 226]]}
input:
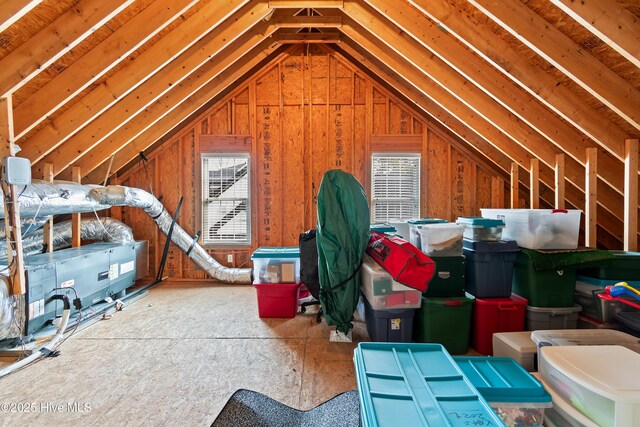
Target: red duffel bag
{"points": [[406, 263]]}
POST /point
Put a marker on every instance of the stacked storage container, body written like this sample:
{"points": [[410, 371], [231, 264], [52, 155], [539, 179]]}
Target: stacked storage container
{"points": [[389, 305], [623, 267], [549, 290], [488, 277], [445, 314], [517, 397], [416, 385], [276, 277]]}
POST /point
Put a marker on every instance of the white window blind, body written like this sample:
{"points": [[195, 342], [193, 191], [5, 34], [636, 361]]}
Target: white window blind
{"points": [[395, 187], [225, 199]]}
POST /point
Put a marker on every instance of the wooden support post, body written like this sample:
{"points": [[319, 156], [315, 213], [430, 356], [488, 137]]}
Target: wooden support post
{"points": [[47, 236], [534, 186], [559, 181], [497, 192], [11, 206], [631, 195], [591, 195], [76, 218], [515, 187]]}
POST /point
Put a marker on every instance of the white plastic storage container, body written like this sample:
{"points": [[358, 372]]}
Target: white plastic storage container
{"points": [[441, 239], [585, 337], [539, 228], [562, 414], [518, 346], [276, 265], [384, 293], [602, 382], [402, 228]]}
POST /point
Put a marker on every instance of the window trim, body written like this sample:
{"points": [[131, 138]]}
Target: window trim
{"points": [[203, 159], [385, 154]]}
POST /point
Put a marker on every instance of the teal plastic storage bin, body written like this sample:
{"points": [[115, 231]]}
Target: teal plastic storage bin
{"points": [[481, 229], [517, 397], [276, 265], [416, 385], [382, 227]]}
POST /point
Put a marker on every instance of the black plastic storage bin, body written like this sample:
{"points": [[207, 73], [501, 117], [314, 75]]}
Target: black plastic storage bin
{"points": [[629, 322], [490, 267], [389, 325]]}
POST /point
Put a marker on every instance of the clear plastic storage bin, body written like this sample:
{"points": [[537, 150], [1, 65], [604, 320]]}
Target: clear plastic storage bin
{"points": [[441, 239], [384, 293], [481, 229], [539, 228], [517, 397], [602, 382], [585, 337], [414, 229], [276, 265]]}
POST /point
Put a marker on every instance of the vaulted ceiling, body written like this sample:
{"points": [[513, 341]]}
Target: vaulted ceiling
{"points": [[92, 83]]}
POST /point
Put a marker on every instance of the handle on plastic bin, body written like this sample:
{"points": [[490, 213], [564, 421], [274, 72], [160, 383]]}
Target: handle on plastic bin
{"points": [[507, 307], [454, 302], [559, 211]]}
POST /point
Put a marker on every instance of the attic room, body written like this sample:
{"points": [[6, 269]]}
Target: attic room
{"points": [[320, 213]]}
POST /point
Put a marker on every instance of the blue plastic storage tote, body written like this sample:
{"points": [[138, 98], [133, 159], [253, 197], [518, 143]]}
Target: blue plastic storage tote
{"points": [[490, 267], [416, 385]]}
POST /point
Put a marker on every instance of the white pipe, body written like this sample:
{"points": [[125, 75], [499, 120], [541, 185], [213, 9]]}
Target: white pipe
{"points": [[47, 348]]}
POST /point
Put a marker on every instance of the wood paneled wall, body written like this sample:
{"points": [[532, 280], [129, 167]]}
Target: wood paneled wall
{"points": [[308, 111]]}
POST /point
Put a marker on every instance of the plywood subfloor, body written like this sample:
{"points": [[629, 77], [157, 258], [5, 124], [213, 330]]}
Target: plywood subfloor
{"points": [[175, 357]]}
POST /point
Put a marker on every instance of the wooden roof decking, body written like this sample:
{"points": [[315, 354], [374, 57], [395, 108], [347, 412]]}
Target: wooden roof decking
{"points": [[94, 83]]}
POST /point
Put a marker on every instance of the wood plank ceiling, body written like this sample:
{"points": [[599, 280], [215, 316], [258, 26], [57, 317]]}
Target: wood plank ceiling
{"points": [[95, 82]]}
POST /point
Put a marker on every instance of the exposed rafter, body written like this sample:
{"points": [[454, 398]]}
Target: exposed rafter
{"points": [[11, 11], [97, 62], [548, 42], [55, 40], [612, 23]]}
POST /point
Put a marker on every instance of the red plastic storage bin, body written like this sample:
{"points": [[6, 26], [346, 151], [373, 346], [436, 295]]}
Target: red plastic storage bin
{"points": [[277, 300], [491, 315]]}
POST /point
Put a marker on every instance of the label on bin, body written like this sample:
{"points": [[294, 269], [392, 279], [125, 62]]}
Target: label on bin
{"points": [[395, 324]]}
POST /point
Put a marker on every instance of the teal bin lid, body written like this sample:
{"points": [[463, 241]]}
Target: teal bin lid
{"points": [[382, 228], [480, 221], [288, 252], [423, 221], [416, 385], [502, 379]]}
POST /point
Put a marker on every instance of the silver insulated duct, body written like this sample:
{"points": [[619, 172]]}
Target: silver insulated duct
{"points": [[40, 200]]}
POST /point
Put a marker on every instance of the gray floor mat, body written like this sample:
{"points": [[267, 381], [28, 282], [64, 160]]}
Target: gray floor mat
{"points": [[247, 408]]}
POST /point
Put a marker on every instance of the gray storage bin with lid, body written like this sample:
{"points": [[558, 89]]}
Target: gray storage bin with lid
{"points": [[542, 318]]}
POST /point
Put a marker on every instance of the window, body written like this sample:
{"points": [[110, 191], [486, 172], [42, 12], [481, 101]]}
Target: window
{"points": [[395, 186], [225, 199]]}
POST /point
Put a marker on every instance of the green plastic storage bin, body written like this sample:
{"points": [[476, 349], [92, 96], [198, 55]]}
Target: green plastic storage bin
{"points": [[624, 266], [445, 321], [448, 279], [543, 288]]}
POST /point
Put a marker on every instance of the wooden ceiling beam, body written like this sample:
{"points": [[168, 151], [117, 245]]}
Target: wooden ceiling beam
{"points": [[307, 38], [608, 20], [575, 181], [489, 80], [485, 153], [160, 83], [564, 54], [53, 41], [11, 11], [85, 109], [223, 59], [281, 20], [181, 112], [95, 63], [563, 101], [303, 4]]}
